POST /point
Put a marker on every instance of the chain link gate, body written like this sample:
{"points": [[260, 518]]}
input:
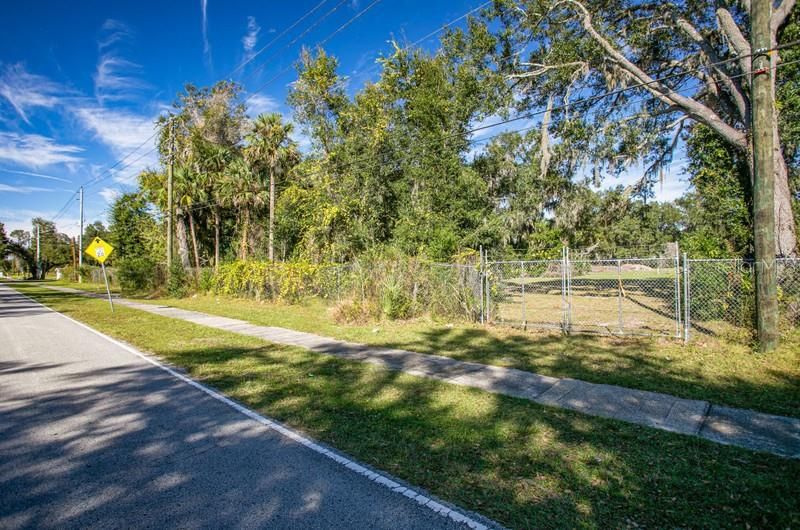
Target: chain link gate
{"points": [[633, 296]]}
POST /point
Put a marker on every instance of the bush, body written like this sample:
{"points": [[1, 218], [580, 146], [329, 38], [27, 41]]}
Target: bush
{"points": [[267, 280], [205, 282], [178, 282], [136, 274], [395, 301], [723, 291], [353, 312], [73, 273]]}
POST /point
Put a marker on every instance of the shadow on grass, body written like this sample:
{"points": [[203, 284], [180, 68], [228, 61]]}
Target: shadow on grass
{"points": [[644, 364]]}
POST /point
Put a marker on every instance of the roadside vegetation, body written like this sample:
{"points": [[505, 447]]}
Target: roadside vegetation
{"points": [[525, 465]]}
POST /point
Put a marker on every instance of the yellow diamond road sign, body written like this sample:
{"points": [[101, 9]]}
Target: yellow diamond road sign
{"points": [[99, 250]]}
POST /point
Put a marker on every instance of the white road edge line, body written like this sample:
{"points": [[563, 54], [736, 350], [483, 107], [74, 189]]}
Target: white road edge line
{"points": [[378, 478]]}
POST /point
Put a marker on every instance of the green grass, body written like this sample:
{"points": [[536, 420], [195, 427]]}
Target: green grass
{"points": [[721, 372], [525, 465], [92, 287]]}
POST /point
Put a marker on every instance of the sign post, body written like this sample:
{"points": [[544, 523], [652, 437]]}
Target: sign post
{"points": [[100, 250]]}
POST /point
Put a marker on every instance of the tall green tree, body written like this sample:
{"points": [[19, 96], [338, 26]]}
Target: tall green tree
{"points": [[3, 241], [95, 229], [271, 151], [210, 115], [246, 194], [685, 62], [54, 247]]}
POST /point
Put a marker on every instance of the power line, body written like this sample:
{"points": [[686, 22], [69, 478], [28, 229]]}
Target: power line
{"points": [[63, 210], [294, 40], [434, 32], [274, 40], [320, 43]]}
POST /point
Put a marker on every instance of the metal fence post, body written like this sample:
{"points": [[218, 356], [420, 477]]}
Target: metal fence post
{"points": [[522, 281], [568, 275], [677, 291], [619, 294], [686, 311], [563, 291], [487, 295], [480, 280]]}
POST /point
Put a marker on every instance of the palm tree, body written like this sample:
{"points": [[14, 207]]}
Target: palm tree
{"points": [[191, 189], [245, 192], [212, 161], [271, 150]]}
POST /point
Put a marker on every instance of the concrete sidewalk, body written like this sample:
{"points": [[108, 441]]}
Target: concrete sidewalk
{"points": [[753, 430]]}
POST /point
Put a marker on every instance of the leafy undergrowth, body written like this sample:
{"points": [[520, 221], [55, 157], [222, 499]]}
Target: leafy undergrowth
{"points": [[714, 370], [522, 464]]}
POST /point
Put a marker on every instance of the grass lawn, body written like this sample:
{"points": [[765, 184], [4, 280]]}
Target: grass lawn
{"points": [[525, 465], [92, 287], [711, 369]]}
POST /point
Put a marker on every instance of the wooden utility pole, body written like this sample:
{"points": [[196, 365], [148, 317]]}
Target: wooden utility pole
{"points": [[169, 193], [271, 213], [80, 239], [38, 253], [72, 246], [763, 176]]}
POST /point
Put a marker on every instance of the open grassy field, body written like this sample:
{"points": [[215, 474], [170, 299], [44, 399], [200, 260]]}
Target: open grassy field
{"points": [[525, 465]]}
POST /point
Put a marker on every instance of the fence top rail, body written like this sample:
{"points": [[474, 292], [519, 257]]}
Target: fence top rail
{"points": [[457, 265], [721, 260], [524, 262]]}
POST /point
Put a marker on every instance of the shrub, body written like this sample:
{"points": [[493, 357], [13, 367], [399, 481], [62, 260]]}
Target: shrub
{"points": [[136, 274], [395, 301], [376, 285], [73, 273], [267, 280], [178, 282], [353, 312], [205, 282]]}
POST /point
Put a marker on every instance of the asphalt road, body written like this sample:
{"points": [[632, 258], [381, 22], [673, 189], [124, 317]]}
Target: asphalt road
{"points": [[92, 435]]}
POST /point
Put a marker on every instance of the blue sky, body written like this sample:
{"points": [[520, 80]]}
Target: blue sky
{"points": [[81, 83]]}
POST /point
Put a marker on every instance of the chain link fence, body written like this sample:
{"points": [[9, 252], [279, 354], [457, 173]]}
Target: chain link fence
{"points": [[659, 296], [407, 288]]}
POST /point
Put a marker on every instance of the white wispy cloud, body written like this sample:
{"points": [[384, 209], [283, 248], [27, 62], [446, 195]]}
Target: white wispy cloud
{"points": [[22, 189], [20, 219], [122, 132], [259, 104], [32, 174], [35, 151], [206, 44], [114, 31], [115, 78], [250, 38], [25, 91], [109, 194]]}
